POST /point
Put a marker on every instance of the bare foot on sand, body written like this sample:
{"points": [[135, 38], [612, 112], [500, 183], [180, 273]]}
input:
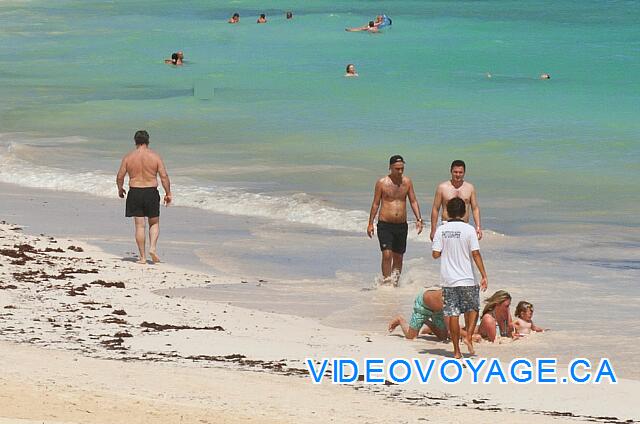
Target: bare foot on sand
{"points": [[469, 344], [141, 261], [155, 258]]}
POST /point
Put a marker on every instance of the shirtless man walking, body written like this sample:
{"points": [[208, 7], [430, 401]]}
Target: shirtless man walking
{"points": [[392, 191], [144, 166], [456, 187]]}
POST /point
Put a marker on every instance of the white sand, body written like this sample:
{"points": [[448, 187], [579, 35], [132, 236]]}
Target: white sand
{"points": [[62, 362]]}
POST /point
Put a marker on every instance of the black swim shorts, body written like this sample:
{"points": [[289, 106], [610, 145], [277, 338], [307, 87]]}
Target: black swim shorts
{"points": [[143, 202], [393, 236]]}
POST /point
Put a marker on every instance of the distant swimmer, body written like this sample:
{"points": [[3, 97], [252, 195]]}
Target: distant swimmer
{"points": [[234, 19], [455, 187], [289, 15], [262, 19], [351, 71], [390, 198], [143, 200], [545, 76], [176, 59], [371, 27]]}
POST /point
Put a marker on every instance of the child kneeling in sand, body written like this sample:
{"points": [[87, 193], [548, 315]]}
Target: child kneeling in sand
{"points": [[523, 322], [427, 309]]}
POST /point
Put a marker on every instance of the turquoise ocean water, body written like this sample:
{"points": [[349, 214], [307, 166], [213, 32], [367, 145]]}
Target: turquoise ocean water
{"points": [[280, 134], [282, 119]]}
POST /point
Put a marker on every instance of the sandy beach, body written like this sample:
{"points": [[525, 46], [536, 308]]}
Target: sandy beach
{"points": [[96, 338]]}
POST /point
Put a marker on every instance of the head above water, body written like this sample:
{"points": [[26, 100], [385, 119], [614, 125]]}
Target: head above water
{"points": [[501, 297], [351, 69], [372, 24], [141, 137], [289, 15], [174, 58], [263, 16], [456, 208]]}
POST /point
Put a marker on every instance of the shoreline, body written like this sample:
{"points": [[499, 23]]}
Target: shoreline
{"points": [[77, 305]]}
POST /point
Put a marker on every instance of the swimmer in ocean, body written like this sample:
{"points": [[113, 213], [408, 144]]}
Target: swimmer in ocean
{"points": [[262, 19], [234, 19], [371, 27], [176, 59], [351, 71]]}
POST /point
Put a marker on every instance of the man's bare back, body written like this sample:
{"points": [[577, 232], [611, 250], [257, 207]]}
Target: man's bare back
{"points": [[143, 166]]}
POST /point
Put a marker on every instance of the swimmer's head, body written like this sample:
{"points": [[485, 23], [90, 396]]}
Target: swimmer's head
{"points": [[372, 24], [141, 137], [289, 15], [180, 54], [174, 58], [236, 15], [379, 18], [456, 208], [351, 68], [545, 76], [263, 16], [523, 309]]}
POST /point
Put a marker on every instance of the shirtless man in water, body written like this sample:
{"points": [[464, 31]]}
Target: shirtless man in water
{"points": [[144, 166], [392, 191], [456, 187]]}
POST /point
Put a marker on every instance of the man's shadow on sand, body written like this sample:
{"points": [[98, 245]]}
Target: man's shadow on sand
{"points": [[436, 351]]}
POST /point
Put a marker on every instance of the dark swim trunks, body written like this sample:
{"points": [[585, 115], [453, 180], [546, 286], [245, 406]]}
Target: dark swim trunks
{"points": [[143, 202], [393, 236]]}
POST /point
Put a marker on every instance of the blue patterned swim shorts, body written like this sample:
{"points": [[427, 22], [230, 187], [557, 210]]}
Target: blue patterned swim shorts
{"points": [[458, 300]]}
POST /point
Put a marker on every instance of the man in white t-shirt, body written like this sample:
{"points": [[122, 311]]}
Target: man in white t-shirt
{"points": [[456, 242]]}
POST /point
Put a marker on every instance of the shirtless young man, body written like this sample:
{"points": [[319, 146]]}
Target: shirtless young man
{"points": [[144, 166], [456, 187], [392, 191]]}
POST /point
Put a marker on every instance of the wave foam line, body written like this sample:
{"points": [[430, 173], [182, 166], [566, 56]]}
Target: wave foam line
{"points": [[298, 208]]}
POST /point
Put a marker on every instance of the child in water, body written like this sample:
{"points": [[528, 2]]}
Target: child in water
{"points": [[523, 323]]}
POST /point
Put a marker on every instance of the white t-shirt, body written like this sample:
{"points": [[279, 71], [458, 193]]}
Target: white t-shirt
{"points": [[456, 240]]}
